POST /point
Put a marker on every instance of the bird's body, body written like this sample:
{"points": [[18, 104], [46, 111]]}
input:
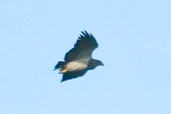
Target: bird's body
{"points": [[74, 66], [79, 59]]}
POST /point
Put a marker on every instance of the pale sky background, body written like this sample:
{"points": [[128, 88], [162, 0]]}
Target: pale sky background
{"points": [[134, 39]]}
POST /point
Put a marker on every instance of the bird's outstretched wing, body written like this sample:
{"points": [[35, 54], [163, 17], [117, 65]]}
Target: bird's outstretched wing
{"points": [[72, 75], [83, 47]]}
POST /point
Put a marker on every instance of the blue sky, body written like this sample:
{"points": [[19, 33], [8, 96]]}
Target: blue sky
{"points": [[134, 44]]}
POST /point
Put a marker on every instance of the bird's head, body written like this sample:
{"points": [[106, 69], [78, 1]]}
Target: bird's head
{"points": [[99, 63], [94, 63]]}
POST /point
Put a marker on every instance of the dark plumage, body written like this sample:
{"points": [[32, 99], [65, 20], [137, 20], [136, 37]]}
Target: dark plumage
{"points": [[79, 59]]}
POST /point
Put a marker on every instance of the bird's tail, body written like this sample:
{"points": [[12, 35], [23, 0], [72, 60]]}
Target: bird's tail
{"points": [[59, 65]]}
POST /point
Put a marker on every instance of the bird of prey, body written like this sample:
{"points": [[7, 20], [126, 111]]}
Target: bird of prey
{"points": [[79, 59]]}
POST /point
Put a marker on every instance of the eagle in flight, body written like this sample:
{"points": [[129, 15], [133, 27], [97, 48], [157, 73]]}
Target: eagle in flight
{"points": [[79, 59]]}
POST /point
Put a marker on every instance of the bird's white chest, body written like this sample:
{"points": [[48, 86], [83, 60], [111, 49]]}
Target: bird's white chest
{"points": [[75, 65]]}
